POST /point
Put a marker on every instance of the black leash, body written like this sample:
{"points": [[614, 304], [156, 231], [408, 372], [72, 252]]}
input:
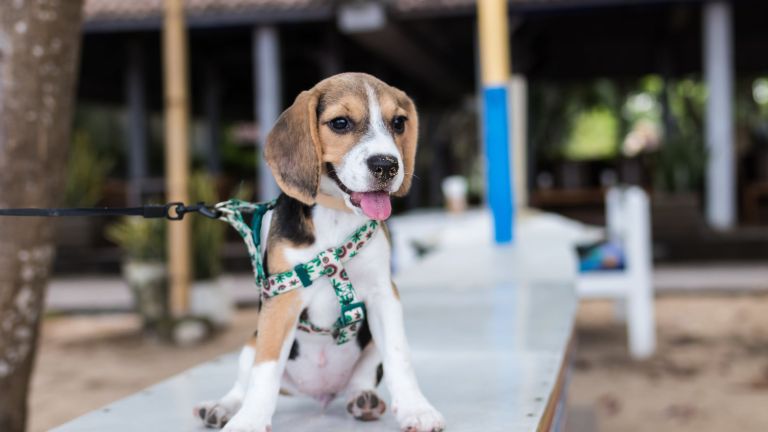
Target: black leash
{"points": [[171, 211]]}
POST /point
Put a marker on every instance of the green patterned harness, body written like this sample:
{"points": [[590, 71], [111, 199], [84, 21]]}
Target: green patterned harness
{"points": [[328, 263]]}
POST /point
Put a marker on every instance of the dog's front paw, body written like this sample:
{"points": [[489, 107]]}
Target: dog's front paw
{"points": [[419, 417], [366, 406], [213, 414], [242, 423]]}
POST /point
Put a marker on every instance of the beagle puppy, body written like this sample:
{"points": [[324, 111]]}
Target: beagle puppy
{"points": [[338, 154]]}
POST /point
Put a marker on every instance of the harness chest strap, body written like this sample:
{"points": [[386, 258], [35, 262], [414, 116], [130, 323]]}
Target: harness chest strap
{"points": [[328, 263]]}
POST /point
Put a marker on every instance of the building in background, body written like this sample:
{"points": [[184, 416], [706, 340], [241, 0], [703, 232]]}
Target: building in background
{"points": [[610, 91]]}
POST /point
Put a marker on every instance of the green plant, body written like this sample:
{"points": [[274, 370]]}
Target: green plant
{"points": [[680, 164], [207, 234], [140, 239], [87, 170], [681, 161], [594, 134]]}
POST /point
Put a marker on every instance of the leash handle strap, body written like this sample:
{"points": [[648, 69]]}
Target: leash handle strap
{"points": [[170, 211]]}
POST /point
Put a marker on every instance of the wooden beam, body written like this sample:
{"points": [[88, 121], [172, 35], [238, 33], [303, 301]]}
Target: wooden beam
{"points": [[177, 150]]}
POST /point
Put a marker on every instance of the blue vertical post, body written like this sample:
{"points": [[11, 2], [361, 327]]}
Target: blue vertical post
{"points": [[493, 29], [498, 169]]}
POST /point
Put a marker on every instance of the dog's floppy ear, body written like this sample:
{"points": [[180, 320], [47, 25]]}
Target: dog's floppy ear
{"points": [[408, 142], [293, 149]]}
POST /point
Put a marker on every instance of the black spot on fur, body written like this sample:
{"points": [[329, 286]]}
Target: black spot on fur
{"points": [[294, 351], [364, 335], [202, 413], [304, 315], [379, 373], [292, 220]]}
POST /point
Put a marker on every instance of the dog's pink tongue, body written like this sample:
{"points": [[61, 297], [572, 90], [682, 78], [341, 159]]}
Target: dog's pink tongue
{"points": [[375, 205]]}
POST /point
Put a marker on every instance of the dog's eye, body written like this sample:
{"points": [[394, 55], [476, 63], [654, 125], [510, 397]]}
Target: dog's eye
{"points": [[398, 124], [340, 124]]}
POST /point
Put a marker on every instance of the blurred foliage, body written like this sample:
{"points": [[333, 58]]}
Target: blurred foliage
{"points": [[681, 161], [593, 135], [207, 234], [87, 170], [577, 121], [680, 165], [140, 239], [591, 121], [236, 156]]}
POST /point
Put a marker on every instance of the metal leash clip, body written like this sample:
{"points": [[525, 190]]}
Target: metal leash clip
{"points": [[176, 210]]}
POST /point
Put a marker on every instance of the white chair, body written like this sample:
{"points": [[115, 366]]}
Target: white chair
{"points": [[628, 224]]}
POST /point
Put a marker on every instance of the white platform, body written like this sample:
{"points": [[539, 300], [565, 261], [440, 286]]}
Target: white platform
{"points": [[488, 344]]}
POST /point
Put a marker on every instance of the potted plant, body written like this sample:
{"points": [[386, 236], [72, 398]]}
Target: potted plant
{"points": [[143, 244], [86, 174]]}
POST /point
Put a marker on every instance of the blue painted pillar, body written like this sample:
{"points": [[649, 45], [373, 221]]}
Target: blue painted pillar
{"points": [[493, 29], [498, 178]]}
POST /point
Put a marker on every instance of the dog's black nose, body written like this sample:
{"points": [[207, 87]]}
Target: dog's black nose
{"points": [[383, 167]]}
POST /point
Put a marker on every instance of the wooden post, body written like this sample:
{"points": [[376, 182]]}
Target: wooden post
{"points": [[177, 154]]}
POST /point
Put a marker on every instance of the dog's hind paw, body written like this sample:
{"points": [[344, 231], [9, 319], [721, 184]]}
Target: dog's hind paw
{"points": [[366, 406], [213, 414]]}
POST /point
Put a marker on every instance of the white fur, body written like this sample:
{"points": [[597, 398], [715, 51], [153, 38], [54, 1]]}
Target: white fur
{"points": [[353, 170]]}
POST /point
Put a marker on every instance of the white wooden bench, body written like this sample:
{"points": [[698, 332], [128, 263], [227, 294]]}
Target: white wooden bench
{"points": [[491, 347], [628, 223]]}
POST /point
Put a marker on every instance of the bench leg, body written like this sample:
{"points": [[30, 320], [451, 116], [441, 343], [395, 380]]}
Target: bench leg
{"points": [[641, 321]]}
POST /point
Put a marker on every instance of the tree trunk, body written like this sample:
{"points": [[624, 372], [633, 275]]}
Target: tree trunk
{"points": [[39, 44]]}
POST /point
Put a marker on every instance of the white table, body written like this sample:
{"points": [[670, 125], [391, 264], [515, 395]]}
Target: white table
{"points": [[490, 346]]}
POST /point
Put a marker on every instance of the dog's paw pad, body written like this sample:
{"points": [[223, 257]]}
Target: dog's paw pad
{"points": [[212, 414], [366, 406]]}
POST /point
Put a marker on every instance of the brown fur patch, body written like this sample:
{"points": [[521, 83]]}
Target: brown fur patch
{"points": [[344, 99], [276, 321], [293, 149], [277, 262], [252, 341], [387, 233], [395, 291]]}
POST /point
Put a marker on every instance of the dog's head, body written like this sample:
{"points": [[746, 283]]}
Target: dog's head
{"points": [[351, 135]]}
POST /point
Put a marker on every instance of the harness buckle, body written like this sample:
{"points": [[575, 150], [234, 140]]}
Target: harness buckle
{"points": [[352, 313]]}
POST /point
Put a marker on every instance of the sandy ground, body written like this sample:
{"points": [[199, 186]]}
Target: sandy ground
{"points": [[710, 373], [86, 362]]}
